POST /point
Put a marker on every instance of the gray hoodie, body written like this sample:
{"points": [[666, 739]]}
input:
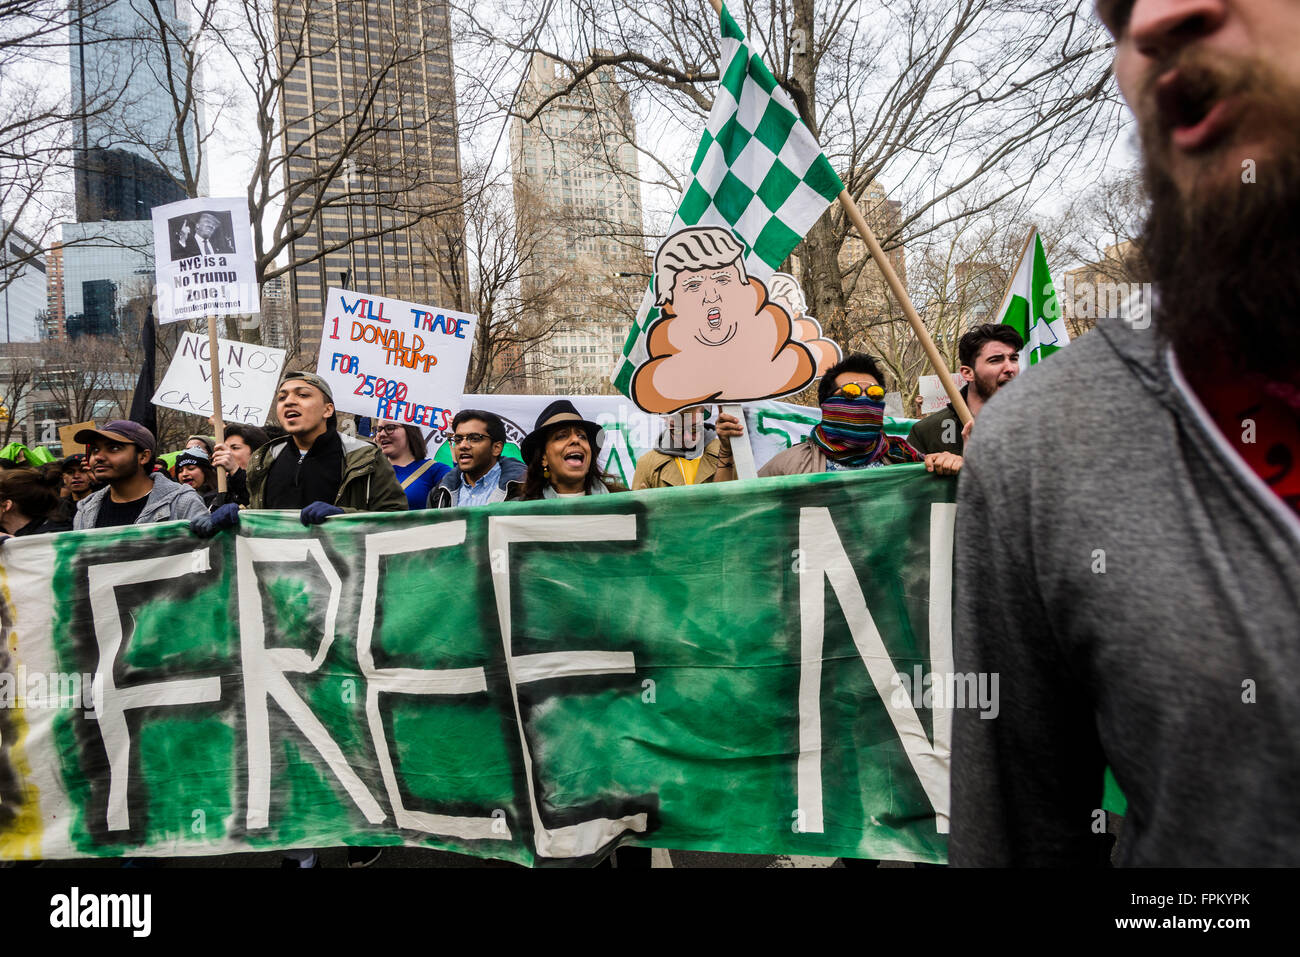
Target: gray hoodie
{"points": [[1137, 589], [169, 501]]}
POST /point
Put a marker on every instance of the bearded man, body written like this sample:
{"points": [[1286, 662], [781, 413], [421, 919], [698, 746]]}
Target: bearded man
{"points": [[990, 358], [1128, 536]]}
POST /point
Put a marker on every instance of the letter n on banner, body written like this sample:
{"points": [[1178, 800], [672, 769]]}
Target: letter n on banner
{"points": [[825, 559]]}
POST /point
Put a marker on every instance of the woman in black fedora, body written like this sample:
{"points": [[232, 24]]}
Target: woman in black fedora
{"points": [[561, 455]]}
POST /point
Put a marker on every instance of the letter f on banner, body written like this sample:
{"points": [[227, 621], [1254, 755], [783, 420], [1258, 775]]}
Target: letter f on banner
{"points": [[111, 702], [825, 559]]}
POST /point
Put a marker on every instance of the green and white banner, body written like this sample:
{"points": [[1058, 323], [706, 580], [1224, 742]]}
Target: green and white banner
{"points": [[731, 668]]}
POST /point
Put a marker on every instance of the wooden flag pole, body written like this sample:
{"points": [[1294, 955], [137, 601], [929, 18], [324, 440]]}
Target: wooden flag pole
{"points": [[218, 423], [896, 286]]}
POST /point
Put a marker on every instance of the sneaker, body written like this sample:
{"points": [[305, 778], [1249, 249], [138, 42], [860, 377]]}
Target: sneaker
{"points": [[363, 856]]}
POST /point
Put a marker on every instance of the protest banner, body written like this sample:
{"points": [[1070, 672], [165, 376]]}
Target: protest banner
{"points": [[249, 375], [203, 259], [772, 427], [279, 687], [396, 360]]}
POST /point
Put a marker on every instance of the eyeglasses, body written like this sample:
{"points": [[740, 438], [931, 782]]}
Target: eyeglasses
{"points": [[387, 429], [474, 438]]}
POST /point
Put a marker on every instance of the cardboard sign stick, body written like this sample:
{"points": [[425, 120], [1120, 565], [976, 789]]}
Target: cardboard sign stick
{"points": [[896, 287], [741, 451], [218, 423]]}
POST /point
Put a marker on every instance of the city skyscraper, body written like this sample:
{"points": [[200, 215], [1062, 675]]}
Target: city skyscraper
{"points": [[372, 82], [128, 156], [576, 170]]}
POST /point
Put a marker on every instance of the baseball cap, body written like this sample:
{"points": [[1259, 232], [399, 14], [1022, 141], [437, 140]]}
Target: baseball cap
{"points": [[120, 430], [310, 378]]}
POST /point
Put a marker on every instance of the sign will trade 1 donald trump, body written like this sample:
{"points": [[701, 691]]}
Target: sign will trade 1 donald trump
{"points": [[395, 360], [203, 257]]}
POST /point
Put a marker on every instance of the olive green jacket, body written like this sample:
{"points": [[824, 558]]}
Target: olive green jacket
{"points": [[369, 483]]}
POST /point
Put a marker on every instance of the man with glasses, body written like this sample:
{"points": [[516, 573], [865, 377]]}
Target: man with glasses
{"points": [[851, 434], [481, 475]]}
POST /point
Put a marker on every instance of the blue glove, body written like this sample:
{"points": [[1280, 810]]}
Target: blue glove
{"points": [[317, 512], [205, 526]]}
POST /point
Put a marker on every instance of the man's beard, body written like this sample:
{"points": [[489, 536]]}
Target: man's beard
{"points": [[1226, 259], [985, 386]]}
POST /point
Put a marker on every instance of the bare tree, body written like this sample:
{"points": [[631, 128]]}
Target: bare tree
{"points": [[960, 105], [38, 125], [17, 378], [504, 281]]}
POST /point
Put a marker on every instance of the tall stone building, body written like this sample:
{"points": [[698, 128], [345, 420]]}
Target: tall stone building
{"points": [[373, 82], [576, 175]]}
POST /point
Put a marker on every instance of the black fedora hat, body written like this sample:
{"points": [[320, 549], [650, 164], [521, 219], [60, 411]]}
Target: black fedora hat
{"points": [[560, 412]]}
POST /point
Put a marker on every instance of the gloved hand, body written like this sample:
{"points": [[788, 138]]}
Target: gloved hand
{"points": [[317, 512], [205, 526]]}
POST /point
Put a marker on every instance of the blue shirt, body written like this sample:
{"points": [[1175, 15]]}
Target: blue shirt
{"points": [[417, 493], [480, 491]]}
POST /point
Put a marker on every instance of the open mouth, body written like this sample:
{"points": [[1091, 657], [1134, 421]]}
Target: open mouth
{"points": [[1193, 108], [575, 459], [715, 318]]}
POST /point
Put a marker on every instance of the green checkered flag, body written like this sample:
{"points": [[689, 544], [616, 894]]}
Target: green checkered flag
{"points": [[758, 171]]}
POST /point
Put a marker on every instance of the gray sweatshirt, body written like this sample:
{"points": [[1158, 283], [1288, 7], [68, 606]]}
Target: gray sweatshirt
{"points": [[1137, 589], [167, 502]]}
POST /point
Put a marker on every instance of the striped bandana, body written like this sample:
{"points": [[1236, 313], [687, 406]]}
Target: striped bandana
{"points": [[852, 436]]}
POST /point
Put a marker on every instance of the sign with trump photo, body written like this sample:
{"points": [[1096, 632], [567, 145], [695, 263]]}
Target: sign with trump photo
{"points": [[203, 258]]}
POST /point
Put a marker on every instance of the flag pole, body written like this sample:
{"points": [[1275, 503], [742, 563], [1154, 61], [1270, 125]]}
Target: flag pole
{"points": [[896, 286], [1011, 280], [218, 423]]}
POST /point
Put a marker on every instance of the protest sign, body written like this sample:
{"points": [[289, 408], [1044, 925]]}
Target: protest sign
{"points": [[67, 437], [933, 395], [278, 687], [203, 257], [249, 376], [395, 360]]}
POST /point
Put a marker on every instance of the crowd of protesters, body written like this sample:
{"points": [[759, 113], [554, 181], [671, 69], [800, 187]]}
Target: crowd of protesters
{"points": [[310, 466]]}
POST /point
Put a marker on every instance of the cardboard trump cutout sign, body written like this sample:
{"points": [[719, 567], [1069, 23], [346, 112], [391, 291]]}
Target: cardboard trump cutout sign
{"points": [[722, 334]]}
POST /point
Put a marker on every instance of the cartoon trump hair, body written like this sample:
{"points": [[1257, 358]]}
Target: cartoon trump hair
{"points": [[720, 337]]}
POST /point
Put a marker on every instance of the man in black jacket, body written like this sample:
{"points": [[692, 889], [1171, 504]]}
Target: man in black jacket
{"points": [[990, 358]]}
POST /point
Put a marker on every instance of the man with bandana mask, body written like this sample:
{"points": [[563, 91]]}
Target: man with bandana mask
{"points": [[686, 454], [851, 434], [1128, 523]]}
